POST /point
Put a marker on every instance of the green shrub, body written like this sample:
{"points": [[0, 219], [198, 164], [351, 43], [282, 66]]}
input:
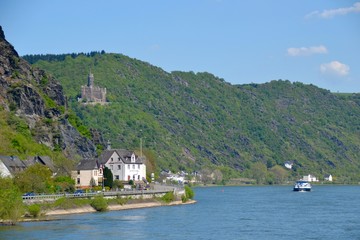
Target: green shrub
{"points": [[34, 210], [184, 199], [99, 203], [168, 197], [189, 193], [67, 203]]}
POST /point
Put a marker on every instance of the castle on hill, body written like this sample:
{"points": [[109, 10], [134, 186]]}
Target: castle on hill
{"points": [[91, 93]]}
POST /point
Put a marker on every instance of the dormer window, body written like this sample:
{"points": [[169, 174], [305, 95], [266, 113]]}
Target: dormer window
{"points": [[133, 158]]}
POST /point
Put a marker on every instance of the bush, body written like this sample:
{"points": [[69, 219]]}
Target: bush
{"points": [[189, 193], [99, 203], [168, 197], [184, 199], [34, 210]]}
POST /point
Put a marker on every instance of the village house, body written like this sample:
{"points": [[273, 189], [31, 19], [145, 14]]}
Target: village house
{"points": [[310, 178], [288, 164], [125, 165], [328, 177], [88, 173], [10, 165]]}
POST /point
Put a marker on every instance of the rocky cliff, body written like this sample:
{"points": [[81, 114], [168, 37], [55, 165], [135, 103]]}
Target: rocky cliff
{"points": [[38, 98]]}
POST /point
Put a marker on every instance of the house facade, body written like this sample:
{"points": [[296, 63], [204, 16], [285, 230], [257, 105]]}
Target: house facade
{"points": [[328, 177], [125, 165], [310, 178], [88, 173]]}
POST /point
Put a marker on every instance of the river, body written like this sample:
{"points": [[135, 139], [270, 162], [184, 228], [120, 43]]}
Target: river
{"points": [[252, 212]]}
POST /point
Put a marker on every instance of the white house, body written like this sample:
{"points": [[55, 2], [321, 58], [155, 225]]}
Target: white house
{"points": [[328, 177], [288, 165], [125, 165], [86, 170], [310, 178]]}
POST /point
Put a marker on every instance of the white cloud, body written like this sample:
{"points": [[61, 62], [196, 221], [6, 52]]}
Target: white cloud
{"points": [[329, 13], [335, 68], [306, 51]]}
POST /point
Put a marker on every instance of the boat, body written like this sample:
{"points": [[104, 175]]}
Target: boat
{"points": [[302, 186]]}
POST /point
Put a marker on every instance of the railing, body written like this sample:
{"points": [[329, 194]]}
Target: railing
{"points": [[158, 189]]}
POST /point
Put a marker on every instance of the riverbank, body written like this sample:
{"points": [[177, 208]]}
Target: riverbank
{"points": [[50, 215], [89, 209]]}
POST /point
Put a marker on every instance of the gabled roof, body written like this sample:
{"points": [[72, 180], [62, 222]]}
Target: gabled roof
{"points": [[88, 164], [43, 160], [105, 156], [13, 164], [125, 156]]}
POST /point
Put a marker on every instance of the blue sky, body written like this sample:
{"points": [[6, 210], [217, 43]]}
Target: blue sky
{"points": [[248, 41]]}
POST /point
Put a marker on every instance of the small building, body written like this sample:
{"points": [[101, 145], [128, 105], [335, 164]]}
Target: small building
{"points": [[10, 165], [310, 178], [88, 172], [124, 164], [288, 164], [328, 177]]}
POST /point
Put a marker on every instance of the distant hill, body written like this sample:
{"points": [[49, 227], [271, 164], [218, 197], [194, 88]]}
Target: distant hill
{"points": [[192, 120]]}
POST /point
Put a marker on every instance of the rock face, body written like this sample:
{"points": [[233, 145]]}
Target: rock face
{"points": [[35, 96]]}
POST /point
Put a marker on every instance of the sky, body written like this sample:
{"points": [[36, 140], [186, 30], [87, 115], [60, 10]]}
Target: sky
{"points": [[247, 41]]}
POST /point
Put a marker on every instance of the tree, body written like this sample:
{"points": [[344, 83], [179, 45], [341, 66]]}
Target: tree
{"points": [[92, 182], [36, 178], [118, 184], [108, 181], [280, 174], [11, 204], [218, 176], [206, 176], [258, 171], [64, 184]]}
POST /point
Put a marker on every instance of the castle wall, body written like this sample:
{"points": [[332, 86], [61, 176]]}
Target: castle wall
{"points": [[91, 93]]}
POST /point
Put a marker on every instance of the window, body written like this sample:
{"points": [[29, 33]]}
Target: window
{"points": [[133, 166], [112, 159], [111, 167], [119, 167], [95, 172], [138, 177], [128, 166], [78, 172], [139, 166], [117, 177], [78, 180]]}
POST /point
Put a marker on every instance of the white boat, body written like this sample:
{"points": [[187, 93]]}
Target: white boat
{"points": [[302, 186]]}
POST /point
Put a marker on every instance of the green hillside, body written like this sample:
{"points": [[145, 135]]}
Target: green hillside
{"points": [[193, 121]]}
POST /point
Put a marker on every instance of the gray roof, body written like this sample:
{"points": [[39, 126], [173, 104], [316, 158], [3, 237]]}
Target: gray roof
{"points": [[88, 164], [13, 164], [125, 156], [43, 160]]}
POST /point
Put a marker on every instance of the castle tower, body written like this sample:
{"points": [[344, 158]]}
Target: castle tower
{"points": [[90, 80], [92, 93]]}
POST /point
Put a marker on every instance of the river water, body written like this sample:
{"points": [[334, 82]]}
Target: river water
{"points": [[269, 212]]}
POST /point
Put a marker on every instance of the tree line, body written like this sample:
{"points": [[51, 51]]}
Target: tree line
{"points": [[33, 58]]}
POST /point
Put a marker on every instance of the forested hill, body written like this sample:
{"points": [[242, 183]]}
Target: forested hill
{"points": [[191, 121]]}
